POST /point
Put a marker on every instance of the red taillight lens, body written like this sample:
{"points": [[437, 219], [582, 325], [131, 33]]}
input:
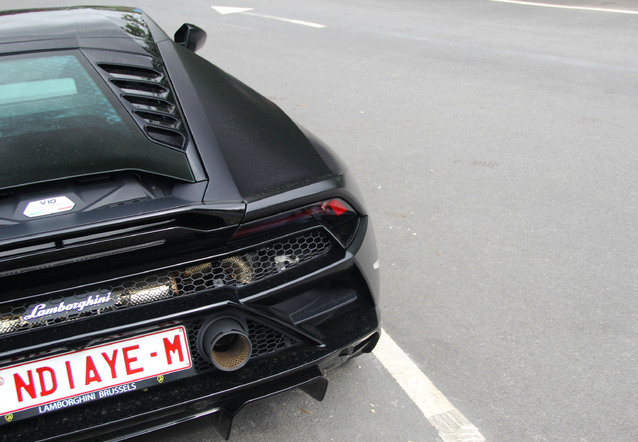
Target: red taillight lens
{"points": [[340, 219], [337, 206], [336, 215]]}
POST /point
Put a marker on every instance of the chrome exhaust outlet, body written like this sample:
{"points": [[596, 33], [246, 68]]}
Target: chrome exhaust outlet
{"points": [[224, 341]]}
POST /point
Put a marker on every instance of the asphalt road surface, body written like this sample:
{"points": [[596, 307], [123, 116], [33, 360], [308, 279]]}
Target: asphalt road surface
{"points": [[496, 145]]}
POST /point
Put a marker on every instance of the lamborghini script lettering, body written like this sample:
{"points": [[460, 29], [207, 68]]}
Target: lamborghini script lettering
{"points": [[63, 308]]}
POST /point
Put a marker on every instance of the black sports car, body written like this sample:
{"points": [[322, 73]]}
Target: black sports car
{"points": [[171, 244]]}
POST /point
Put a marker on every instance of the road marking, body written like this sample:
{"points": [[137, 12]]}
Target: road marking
{"points": [[582, 8], [246, 11], [223, 10], [450, 423]]}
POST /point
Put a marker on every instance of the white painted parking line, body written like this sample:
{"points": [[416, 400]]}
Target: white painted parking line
{"points": [[582, 8], [448, 421], [224, 10], [287, 20]]}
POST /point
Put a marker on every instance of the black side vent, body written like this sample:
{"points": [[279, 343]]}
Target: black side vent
{"points": [[147, 95], [141, 87], [166, 136], [150, 104], [158, 118], [134, 72]]}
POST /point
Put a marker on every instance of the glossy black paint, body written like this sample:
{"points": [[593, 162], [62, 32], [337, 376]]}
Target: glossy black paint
{"points": [[75, 22], [119, 29], [250, 161], [190, 36]]}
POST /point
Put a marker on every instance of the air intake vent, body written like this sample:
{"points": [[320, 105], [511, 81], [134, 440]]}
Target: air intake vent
{"points": [[166, 136], [147, 95], [158, 118], [151, 104], [141, 87], [131, 72]]}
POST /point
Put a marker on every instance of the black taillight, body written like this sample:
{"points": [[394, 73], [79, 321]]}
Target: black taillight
{"points": [[336, 215]]}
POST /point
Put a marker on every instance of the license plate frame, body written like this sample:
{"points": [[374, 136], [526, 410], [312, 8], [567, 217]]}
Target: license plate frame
{"points": [[98, 371]]}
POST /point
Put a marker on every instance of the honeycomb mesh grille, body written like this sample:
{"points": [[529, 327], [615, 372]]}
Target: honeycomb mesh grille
{"points": [[228, 271], [264, 339], [199, 363]]}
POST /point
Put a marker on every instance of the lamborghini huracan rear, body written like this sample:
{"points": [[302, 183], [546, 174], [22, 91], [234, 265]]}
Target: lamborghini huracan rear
{"points": [[171, 243]]}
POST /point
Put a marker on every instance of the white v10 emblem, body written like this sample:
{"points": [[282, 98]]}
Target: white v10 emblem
{"points": [[48, 206]]}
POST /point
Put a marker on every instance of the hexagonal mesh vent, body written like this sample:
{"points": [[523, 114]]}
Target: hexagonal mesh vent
{"points": [[232, 270], [265, 341]]}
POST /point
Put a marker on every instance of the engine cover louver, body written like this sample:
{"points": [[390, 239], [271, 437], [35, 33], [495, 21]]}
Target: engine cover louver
{"points": [[147, 95]]}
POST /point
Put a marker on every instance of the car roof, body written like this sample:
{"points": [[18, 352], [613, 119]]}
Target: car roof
{"points": [[113, 28]]}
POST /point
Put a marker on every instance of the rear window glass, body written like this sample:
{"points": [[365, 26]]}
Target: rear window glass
{"points": [[44, 93], [57, 122]]}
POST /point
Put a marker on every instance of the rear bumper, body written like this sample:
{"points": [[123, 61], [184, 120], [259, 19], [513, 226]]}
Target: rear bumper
{"points": [[142, 411], [196, 402], [324, 335]]}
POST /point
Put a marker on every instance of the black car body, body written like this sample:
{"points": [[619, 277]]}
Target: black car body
{"points": [[171, 244]]}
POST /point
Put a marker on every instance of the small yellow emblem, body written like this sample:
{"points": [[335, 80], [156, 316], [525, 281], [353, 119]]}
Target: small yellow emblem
{"points": [[160, 379], [8, 417]]}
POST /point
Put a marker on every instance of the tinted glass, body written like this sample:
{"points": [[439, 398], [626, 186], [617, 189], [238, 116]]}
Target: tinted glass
{"points": [[56, 121]]}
